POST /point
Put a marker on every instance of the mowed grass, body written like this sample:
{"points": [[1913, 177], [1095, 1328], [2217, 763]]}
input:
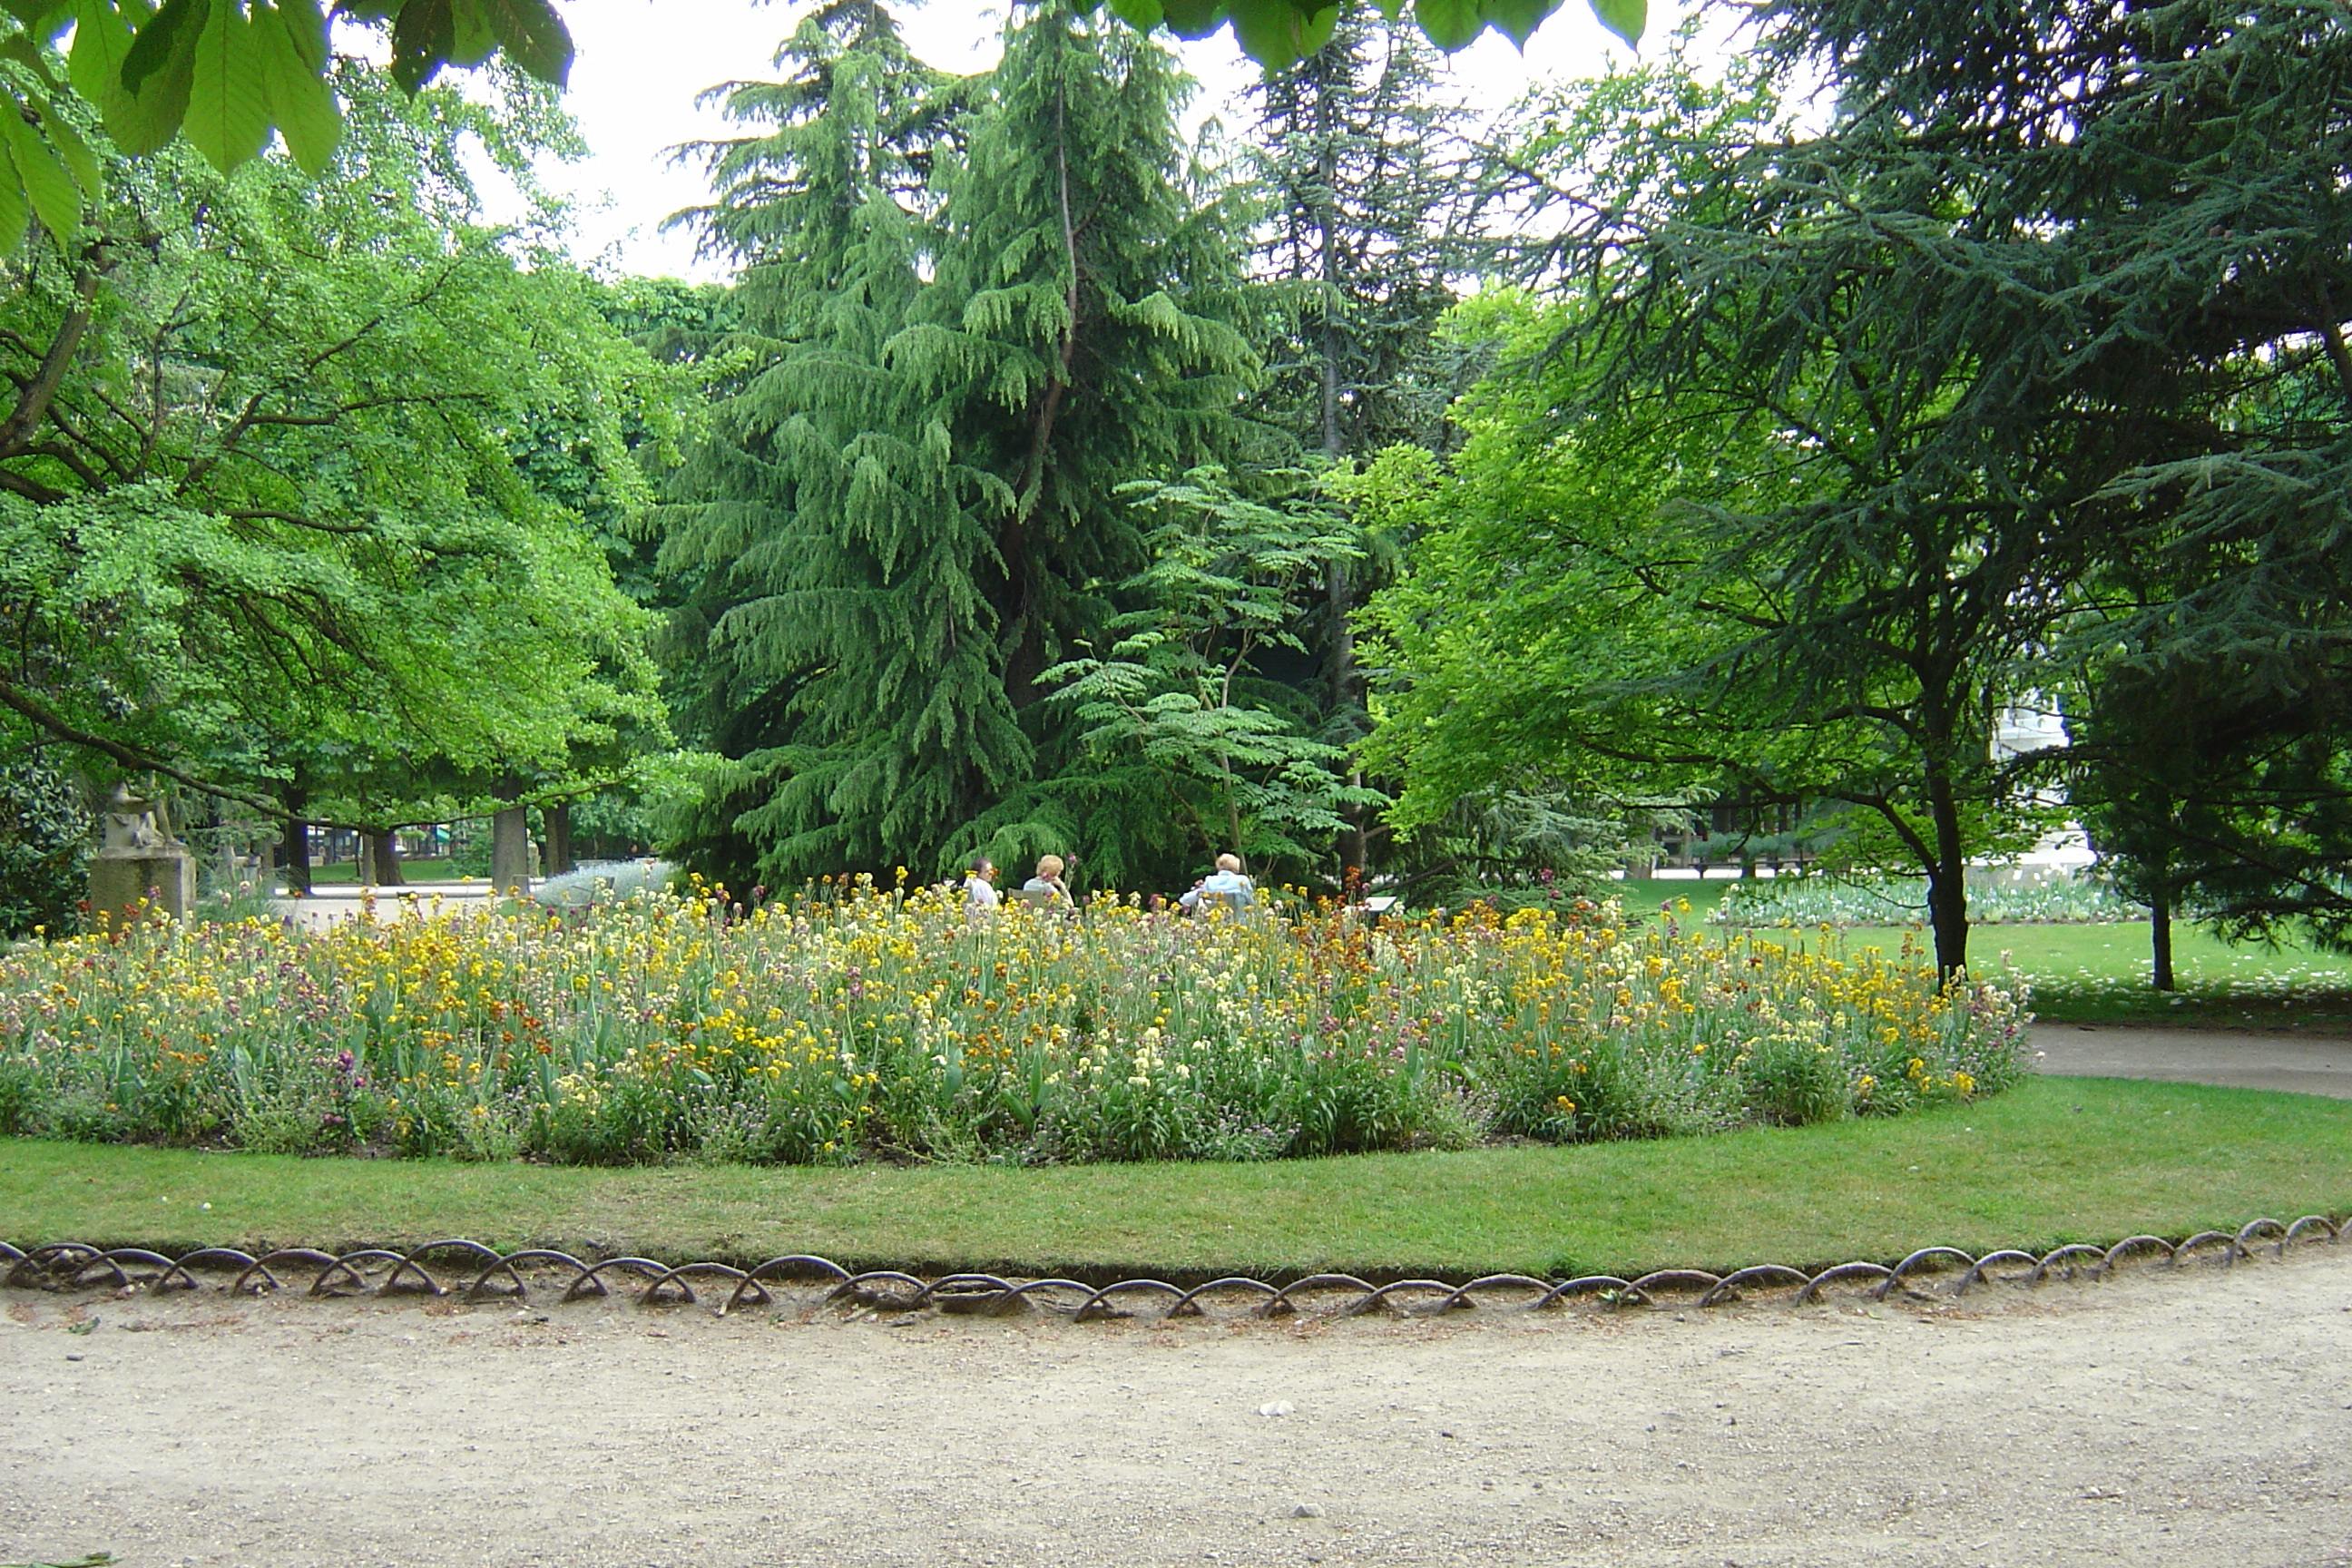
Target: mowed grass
{"points": [[2100, 973], [346, 872], [2051, 1160]]}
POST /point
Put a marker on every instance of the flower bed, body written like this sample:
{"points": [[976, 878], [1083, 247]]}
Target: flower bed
{"points": [[877, 1023]]}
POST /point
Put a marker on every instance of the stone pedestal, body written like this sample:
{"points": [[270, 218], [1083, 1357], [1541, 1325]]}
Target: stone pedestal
{"points": [[164, 875]]}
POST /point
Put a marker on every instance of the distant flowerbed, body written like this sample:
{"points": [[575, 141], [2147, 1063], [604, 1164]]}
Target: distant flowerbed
{"points": [[1790, 902], [878, 1023]]}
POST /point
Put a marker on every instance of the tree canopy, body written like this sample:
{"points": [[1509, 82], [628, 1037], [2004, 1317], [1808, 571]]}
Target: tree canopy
{"points": [[971, 312], [2001, 384], [258, 481]]}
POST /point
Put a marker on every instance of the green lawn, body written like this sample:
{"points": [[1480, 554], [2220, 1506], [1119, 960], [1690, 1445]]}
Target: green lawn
{"points": [[1648, 895], [2099, 973], [2051, 1160], [345, 871]]}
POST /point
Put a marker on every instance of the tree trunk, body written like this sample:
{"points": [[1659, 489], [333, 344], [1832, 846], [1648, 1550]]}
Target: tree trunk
{"points": [[298, 857], [1355, 847], [557, 815], [2159, 912], [1948, 886], [1338, 588], [1024, 656], [511, 843], [384, 851]]}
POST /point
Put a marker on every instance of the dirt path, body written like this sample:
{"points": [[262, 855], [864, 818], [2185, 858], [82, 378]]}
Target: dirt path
{"points": [[2235, 1059], [2162, 1419]]}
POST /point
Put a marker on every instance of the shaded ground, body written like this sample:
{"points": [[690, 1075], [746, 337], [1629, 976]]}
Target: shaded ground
{"points": [[2250, 1058], [2181, 1419]]}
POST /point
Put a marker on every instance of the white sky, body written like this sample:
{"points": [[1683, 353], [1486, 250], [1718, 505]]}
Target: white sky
{"points": [[641, 63]]}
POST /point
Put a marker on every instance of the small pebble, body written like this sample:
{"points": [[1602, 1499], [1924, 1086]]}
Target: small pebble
{"points": [[1278, 1407], [1308, 1510]]}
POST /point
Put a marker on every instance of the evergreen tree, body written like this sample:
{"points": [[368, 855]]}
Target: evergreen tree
{"points": [[1367, 224], [966, 329], [824, 533]]}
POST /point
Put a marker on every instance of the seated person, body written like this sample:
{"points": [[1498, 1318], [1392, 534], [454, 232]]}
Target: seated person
{"points": [[980, 887], [1048, 879], [1226, 882]]}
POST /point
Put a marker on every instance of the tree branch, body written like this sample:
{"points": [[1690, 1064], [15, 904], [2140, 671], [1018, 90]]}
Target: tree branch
{"points": [[33, 403]]}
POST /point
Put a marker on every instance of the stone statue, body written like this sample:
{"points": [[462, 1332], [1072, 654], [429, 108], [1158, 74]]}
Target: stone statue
{"points": [[140, 872], [130, 822]]}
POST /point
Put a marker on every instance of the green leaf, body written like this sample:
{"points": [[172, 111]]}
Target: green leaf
{"points": [[169, 35], [1517, 19], [1199, 19], [307, 26], [300, 101], [22, 48], [422, 36], [1269, 31], [1391, 9], [1278, 33], [228, 106], [80, 160], [1450, 24], [1625, 19], [12, 211], [533, 37], [56, 200], [1141, 15], [472, 40], [102, 39], [45, 20], [1317, 29], [141, 121]]}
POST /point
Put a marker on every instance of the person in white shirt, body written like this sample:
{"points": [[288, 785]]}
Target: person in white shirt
{"points": [[1226, 882], [980, 887]]}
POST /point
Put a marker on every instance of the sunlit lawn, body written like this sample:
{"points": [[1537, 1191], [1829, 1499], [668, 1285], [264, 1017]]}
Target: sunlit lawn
{"points": [[419, 871], [2099, 973]]}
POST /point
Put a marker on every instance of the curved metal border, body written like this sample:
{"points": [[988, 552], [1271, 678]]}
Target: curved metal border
{"points": [[77, 1264]]}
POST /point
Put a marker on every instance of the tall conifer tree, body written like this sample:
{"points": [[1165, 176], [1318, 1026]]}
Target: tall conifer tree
{"points": [[1367, 224], [977, 308], [832, 644]]}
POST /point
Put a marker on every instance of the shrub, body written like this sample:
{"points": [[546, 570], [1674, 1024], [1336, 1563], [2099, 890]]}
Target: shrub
{"points": [[44, 849]]}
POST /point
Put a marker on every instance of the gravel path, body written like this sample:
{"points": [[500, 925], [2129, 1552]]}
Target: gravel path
{"points": [[2249, 1059], [2173, 1419]]}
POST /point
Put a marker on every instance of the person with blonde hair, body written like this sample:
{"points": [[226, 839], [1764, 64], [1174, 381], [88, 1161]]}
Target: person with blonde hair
{"points": [[1048, 879], [1227, 884]]}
